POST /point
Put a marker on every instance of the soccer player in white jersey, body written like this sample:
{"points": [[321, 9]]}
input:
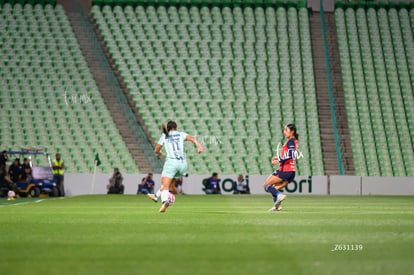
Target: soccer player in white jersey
{"points": [[175, 164]]}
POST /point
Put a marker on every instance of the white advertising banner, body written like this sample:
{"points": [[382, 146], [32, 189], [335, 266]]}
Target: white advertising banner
{"points": [[345, 185], [387, 185], [78, 184]]}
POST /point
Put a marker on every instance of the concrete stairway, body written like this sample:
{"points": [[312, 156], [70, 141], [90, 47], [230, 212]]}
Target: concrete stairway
{"points": [[324, 112], [133, 134]]}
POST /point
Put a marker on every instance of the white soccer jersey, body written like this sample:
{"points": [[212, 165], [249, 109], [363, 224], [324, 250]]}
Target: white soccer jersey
{"points": [[174, 144]]}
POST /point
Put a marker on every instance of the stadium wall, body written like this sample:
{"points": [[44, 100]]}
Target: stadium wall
{"points": [[81, 184]]}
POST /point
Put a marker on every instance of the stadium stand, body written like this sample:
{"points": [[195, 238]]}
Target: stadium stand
{"points": [[210, 3], [232, 76], [235, 71], [49, 99], [376, 51]]}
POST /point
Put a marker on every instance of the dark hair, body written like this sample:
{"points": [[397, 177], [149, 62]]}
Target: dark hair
{"points": [[170, 126], [215, 174], [292, 127]]}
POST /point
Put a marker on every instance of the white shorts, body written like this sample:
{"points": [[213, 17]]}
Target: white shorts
{"points": [[174, 169]]}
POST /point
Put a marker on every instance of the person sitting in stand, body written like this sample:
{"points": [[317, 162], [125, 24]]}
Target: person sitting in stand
{"points": [[241, 186], [115, 185], [147, 185], [177, 187], [212, 184]]}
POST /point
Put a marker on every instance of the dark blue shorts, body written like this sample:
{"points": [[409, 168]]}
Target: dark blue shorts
{"points": [[286, 176]]}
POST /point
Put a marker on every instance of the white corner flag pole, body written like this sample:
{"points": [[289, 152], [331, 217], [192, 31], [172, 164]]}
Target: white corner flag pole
{"points": [[93, 178]]}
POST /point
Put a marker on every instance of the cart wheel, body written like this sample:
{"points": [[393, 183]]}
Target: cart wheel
{"points": [[34, 192]]}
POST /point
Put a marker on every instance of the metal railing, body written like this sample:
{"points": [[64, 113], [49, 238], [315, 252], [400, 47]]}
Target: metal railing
{"points": [[330, 92]]}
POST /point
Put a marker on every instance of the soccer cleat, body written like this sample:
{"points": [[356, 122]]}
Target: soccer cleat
{"points": [[164, 206], [278, 206], [152, 197], [279, 200], [274, 208]]}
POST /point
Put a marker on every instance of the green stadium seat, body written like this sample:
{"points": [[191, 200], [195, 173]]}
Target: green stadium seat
{"points": [[384, 65], [188, 53], [54, 48]]}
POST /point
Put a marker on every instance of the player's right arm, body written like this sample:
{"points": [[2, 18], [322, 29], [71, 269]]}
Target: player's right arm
{"points": [[158, 149], [158, 146], [195, 141]]}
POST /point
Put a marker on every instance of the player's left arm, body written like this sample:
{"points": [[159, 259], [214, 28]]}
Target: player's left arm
{"points": [[195, 141]]}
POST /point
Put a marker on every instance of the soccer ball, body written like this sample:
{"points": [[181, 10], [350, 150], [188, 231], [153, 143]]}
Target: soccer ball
{"points": [[11, 195], [171, 198]]}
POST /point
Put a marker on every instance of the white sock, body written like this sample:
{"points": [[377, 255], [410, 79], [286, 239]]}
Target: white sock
{"points": [[164, 195], [158, 194]]}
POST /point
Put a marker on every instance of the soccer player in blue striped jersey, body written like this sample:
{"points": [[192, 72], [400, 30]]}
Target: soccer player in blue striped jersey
{"points": [[175, 164]]}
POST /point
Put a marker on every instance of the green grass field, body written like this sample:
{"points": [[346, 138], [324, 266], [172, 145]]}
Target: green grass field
{"points": [[207, 235]]}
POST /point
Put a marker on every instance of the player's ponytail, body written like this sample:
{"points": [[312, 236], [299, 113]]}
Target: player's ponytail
{"points": [[164, 129], [171, 125], [292, 127]]}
